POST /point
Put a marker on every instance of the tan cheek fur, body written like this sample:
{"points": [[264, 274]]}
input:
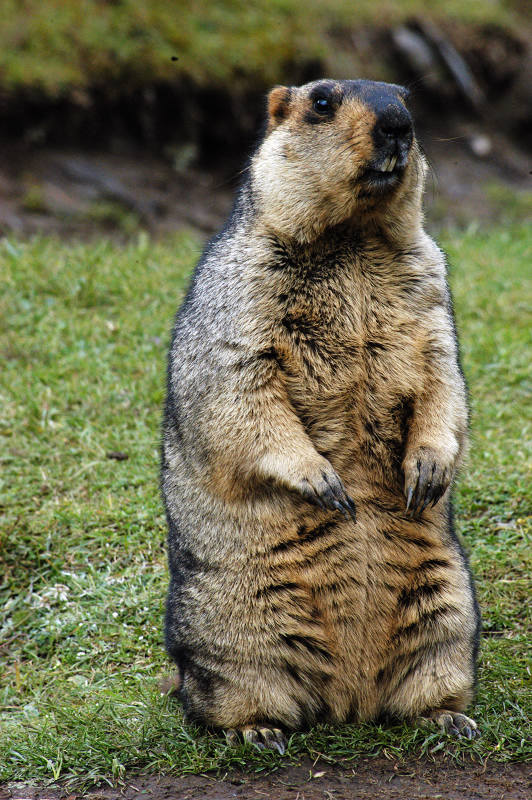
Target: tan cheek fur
{"points": [[314, 159], [321, 165]]}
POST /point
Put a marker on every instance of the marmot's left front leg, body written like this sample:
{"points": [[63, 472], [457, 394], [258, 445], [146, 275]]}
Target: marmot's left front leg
{"points": [[428, 471], [438, 429]]}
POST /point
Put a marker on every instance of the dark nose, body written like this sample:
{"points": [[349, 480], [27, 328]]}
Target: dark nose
{"points": [[393, 126]]}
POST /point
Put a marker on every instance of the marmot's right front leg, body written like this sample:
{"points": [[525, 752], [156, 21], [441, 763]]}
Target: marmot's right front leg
{"points": [[310, 475], [264, 440]]}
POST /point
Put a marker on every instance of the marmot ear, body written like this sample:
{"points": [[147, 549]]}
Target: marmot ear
{"points": [[279, 101]]}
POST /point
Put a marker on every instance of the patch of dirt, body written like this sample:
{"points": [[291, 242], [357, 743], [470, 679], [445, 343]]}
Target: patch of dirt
{"points": [[467, 167], [69, 192], [368, 779]]}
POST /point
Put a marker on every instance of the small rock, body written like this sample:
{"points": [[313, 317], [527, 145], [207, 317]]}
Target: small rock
{"points": [[117, 455], [481, 145]]}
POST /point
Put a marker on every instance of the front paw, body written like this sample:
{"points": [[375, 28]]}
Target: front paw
{"points": [[322, 486], [428, 473]]}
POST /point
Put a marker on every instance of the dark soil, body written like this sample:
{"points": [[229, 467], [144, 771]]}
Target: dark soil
{"points": [[85, 194], [368, 779]]}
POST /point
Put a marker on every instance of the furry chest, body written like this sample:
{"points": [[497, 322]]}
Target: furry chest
{"points": [[356, 330], [325, 361], [352, 384]]}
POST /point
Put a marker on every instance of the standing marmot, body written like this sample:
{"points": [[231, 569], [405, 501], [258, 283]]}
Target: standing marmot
{"points": [[313, 371]]}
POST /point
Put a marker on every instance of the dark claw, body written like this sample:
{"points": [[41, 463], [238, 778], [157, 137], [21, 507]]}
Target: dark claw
{"points": [[409, 498], [319, 502], [328, 498], [352, 508], [413, 507], [438, 495], [432, 492], [336, 497], [413, 492], [310, 494], [335, 485], [428, 497], [347, 503], [339, 507], [424, 485], [467, 732], [347, 507], [418, 499]]}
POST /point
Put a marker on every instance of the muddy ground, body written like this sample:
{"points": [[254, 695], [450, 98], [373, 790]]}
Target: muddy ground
{"points": [[367, 779]]}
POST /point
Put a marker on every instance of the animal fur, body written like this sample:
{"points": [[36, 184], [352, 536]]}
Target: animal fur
{"points": [[314, 370]]}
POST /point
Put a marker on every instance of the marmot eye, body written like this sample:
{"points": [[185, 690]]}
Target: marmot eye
{"points": [[322, 106]]}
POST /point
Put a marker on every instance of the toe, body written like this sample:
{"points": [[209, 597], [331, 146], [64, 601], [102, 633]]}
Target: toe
{"points": [[231, 737], [253, 737], [274, 739], [466, 725]]}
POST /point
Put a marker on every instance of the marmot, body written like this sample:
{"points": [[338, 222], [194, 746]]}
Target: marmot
{"points": [[315, 417]]}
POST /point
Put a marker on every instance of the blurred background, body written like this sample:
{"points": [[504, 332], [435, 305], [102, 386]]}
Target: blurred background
{"points": [[120, 114]]}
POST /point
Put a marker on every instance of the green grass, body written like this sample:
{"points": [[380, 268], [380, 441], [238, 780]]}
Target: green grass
{"points": [[62, 47], [82, 536]]}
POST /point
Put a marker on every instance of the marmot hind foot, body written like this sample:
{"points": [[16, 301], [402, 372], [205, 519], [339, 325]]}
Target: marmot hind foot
{"points": [[261, 737], [451, 722]]}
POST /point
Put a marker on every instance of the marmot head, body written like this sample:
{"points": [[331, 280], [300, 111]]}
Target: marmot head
{"points": [[335, 151]]}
